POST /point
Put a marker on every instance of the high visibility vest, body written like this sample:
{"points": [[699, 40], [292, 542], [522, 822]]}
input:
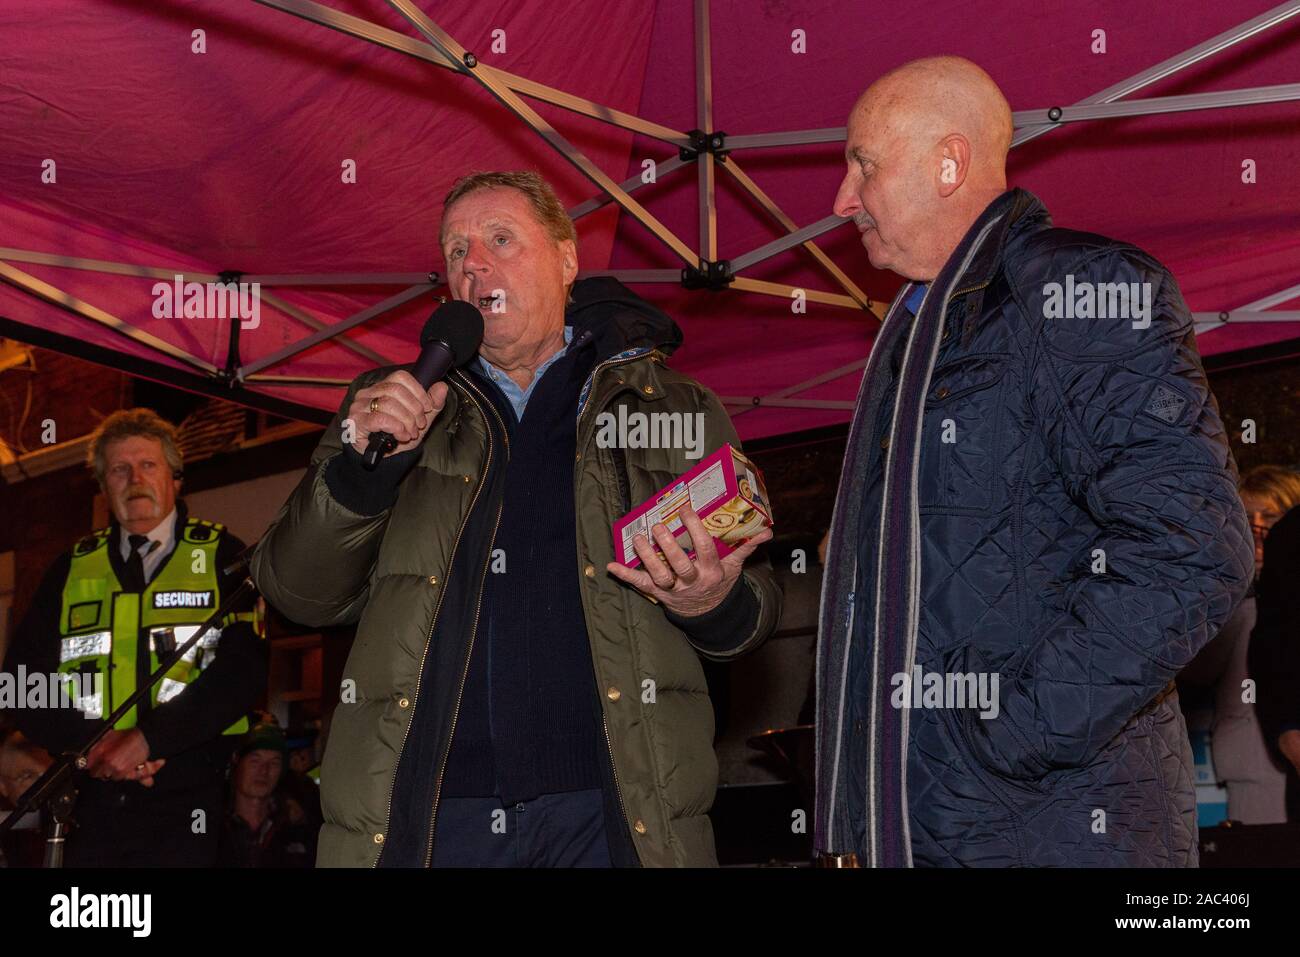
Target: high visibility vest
{"points": [[124, 636]]}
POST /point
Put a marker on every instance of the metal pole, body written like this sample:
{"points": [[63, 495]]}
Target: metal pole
{"points": [[749, 141], [1134, 83], [750, 403], [796, 238], [57, 297], [511, 101], [104, 266], [708, 212], [1164, 68], [808, 384], [382, 36], [1163, 104], [773, 210], [345, 279], [637, 275], [784, 291], [1209, 321], [299, 380], [311, 322], [628, 186], [392, 302]]}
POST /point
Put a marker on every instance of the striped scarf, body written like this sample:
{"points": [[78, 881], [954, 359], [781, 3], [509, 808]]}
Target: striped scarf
{"points": [[888, 638]]}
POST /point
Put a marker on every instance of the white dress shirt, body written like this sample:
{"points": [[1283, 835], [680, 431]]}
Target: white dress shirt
{"points": [[164, 533]]}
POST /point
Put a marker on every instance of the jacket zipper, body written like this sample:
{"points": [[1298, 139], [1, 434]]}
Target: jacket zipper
{"points": [[425, 653], [613, 770], [478, 608]]}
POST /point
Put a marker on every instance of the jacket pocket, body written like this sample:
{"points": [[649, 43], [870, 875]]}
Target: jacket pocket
{"points": [[960, 434], [966, 817]]}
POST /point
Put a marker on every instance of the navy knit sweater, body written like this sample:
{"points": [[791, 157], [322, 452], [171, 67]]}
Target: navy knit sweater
{"points": [[528, 724]]}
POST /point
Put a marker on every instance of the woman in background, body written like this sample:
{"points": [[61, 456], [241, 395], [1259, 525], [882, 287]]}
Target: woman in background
{"points": [[1248, 765], [1274, 661]]}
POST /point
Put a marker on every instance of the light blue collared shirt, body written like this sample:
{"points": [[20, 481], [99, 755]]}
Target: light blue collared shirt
{"points": [[519, 397]]}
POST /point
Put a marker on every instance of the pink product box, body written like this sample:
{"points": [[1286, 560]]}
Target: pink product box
{"points": [[725, 489]]}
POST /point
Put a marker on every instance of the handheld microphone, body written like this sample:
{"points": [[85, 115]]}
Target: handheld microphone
{"points": [[451, 337]]}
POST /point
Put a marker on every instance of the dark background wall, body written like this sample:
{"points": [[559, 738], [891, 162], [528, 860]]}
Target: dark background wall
{"points": [[41, 517], [1269, 393]]}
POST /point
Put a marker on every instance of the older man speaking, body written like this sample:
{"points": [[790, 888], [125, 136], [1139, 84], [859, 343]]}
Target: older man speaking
{"points": [[1036, 527], [507, 702]]}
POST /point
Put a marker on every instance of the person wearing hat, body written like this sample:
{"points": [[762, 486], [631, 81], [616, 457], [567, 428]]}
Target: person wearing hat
{"points": [[261, 828]]}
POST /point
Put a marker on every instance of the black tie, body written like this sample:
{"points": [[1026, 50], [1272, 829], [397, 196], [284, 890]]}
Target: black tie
{"points": [[135, 562]]}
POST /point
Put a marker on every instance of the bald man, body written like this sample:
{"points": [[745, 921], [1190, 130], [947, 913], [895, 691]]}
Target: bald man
{"points": [[1036, 526]]}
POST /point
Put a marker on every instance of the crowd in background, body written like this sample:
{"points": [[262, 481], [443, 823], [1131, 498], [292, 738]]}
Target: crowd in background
{"points": [[1250, 671], [271, 817], [1252, 667]]}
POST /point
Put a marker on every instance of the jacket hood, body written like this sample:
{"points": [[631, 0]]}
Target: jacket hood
{"points": [[618, 319]]}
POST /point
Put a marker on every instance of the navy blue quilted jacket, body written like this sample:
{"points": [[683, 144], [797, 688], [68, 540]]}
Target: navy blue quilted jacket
{"points": [[1080, 537]]}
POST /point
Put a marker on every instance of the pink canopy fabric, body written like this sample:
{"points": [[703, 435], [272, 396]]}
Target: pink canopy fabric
{"points": [[232, 159]]}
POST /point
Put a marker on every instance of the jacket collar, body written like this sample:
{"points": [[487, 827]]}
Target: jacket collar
{"points": [[1020, 210]]}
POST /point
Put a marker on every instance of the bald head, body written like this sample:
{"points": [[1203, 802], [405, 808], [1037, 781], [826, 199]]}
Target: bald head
{"points": [[926, 100], [926, 153]]}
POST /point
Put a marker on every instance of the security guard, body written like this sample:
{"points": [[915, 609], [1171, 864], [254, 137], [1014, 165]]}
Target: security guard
{"points": [[105, 616]]}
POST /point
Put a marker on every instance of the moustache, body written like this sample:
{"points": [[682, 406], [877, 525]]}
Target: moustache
{"points": [[140, 491]]}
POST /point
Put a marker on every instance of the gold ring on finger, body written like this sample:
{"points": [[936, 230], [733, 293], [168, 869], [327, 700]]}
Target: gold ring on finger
{"points": [[374, 405]]}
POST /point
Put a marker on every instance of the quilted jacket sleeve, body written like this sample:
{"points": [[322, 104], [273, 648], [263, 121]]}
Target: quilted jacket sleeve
{"points": [[1127, 420], [314, 563]]}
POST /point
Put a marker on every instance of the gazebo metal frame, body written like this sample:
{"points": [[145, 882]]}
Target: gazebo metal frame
{"points": [[706, 146]]}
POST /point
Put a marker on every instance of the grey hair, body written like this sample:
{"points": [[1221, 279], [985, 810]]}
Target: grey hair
{"points": [[126, 423]]}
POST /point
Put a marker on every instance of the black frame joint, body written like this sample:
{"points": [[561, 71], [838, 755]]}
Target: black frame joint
{"points": [[230, 374], [708, 275], [701, 142]]}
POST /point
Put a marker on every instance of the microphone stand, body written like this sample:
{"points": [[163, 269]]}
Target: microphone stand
{"points": [[56, 788]]}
